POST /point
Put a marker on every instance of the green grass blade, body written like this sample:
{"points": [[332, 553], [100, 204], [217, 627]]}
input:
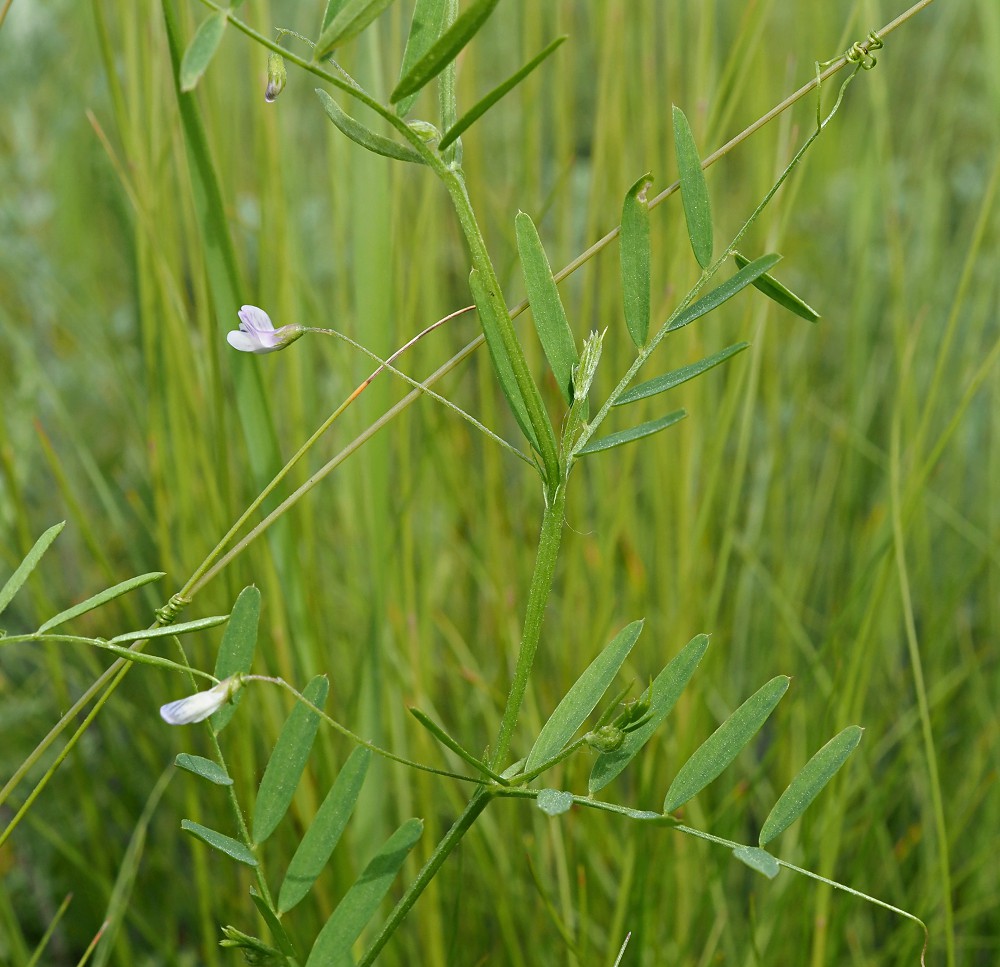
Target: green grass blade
{"points": [[723, 293], [660, 384], [102, 597], [30, 562], [287, 761], [362, 899], [236, 651], [364, 136], [633, 433], [694, 190], [662, 694], [582, 698], [346, 23], [324, 832], [634, 252], [233, 848], [36, 956], [500, 91], [546, 306], [489, 319], [808, 784], [205, 768], [758, 859], [225, 285], [725, 743], [201, 50], [774, 290], [119, 905], [425, 28], [444, 50]]}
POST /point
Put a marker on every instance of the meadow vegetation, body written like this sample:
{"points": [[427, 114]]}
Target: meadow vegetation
{"points": [[829, 509]]}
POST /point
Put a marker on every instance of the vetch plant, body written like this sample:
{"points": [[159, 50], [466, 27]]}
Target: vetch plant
{"points": [[613, 732]]}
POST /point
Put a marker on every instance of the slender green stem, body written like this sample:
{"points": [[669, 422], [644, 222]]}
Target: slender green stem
{"points": [[353, 736], [241, 822], [127, 654], [549, 542], [522, 375], [480, 800], [416, 384]]}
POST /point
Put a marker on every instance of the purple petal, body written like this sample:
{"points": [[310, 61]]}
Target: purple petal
{"points": [[254, 319]]}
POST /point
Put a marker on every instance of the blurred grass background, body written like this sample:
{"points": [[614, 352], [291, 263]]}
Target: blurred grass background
{"points": [[765, 518]]}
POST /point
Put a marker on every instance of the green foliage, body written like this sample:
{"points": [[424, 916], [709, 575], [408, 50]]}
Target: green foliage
{"points": [[21, 573], [758, 859], [546, 306], [632, 434], [368, 139], [723, 293], [232, 848], [554, 802], [694, 190], [426, 26], [808, 784], [349, 20], [491, 312], [203, 767], [201, 50], [582, 698], [96, 600], [774, 290], [237, 649], [500, 91], [444, 50], [287, 761], [660, 384], [635, 254], [324, 833], [359, 904], [765, 518], [661, 696], [724, 744]]}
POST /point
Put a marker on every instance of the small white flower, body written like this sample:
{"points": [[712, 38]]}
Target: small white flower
{"points": [[258, 335], [198, 707]]}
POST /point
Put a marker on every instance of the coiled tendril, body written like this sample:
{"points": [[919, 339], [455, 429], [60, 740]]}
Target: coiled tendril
{"points": [[861, 52], [169, 612]]}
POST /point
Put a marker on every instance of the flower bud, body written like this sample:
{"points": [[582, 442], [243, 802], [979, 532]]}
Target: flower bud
{"points": [[608, 738], [276, 76], [583, 372], [254, 951], [424, 130]]}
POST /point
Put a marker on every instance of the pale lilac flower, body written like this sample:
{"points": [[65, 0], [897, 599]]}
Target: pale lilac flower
{"points": [[258, 335], [198, 707]]}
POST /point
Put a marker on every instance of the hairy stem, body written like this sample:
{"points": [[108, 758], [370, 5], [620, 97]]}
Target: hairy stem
{"points": [[549, 542]]}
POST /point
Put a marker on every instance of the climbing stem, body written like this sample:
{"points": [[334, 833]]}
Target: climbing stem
{"points": [[479, 801], [549, 542]]}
